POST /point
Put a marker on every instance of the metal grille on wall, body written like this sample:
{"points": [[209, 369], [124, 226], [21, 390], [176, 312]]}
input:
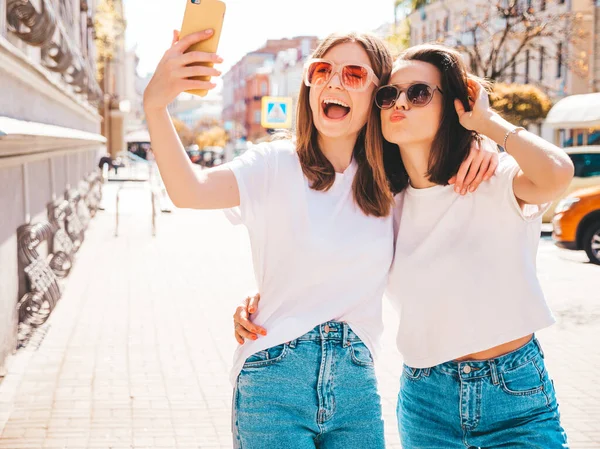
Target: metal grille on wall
{"points": [[45, 27], [64, 232]]}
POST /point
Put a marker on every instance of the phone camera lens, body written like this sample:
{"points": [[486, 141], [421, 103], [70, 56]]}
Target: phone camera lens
{"points": [[196, 2]]}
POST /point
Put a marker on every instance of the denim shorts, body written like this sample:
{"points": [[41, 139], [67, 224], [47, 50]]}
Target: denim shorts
{"points": [[505, 402], [318, 391]]}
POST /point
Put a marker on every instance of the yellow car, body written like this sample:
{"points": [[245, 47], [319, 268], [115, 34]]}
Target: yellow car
{"points": [[577, 222], [587, 173]]}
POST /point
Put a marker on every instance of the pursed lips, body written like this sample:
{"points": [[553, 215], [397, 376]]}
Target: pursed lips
{"points": [[397, 116]]}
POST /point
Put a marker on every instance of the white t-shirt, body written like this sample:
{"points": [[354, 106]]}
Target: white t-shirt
{"points": [[317, 257], [464, 273]]}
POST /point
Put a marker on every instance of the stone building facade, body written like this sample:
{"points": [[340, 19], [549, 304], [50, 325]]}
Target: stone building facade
{"points": [[50, 143]]}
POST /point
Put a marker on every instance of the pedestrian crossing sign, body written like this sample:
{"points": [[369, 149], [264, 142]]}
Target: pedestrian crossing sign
{"points": [[276, 112]]}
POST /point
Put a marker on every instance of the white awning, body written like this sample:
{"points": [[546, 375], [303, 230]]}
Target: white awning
{"points": [[576, 111], [140, 135]]}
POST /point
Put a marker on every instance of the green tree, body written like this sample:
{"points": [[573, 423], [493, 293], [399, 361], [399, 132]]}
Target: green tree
{"points": [[400, 39], [184, 132], [109, 27], [522, 104], [216, 136]]}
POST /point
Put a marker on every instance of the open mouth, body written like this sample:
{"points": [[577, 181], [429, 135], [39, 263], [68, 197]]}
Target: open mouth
{"points": [[335, 109]]}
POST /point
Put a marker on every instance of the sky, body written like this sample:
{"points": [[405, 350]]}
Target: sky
{"points": [[249, 23]]}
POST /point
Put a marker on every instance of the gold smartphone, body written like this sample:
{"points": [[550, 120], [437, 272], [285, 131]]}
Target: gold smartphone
{"points": [[201, 15]]}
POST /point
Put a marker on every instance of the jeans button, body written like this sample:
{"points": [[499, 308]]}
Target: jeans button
{"points": [[326, 329], [467, 369]]}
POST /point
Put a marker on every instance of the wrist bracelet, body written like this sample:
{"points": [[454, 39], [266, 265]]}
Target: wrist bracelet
{"points": [[508, 133]]}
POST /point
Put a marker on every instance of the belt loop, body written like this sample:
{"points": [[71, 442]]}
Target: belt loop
{"points": [[292, 344], [494, 371], [539, 346], [345, 341], [427, 371]]}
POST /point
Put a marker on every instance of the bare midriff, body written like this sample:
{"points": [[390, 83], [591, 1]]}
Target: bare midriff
{"points": [[497, 351]]}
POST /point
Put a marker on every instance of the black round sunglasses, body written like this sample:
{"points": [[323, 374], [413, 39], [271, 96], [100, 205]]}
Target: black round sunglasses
{"points": [[418, 94]]}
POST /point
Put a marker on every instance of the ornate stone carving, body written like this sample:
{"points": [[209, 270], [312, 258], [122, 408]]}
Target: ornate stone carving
{"points": [[43, 291], [35, 28], [57, 54], [94, 196], [40, 28], [57, 215], [75, 227]]}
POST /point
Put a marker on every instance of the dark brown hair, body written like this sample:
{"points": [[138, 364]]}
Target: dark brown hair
{"points": [[370, 187], [452, 142]]}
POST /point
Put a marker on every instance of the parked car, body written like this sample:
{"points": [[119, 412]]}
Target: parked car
{"points": [[577, 222], [587, 173], [193, 152]]}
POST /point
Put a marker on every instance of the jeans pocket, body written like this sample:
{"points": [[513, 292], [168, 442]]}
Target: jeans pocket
{"points": [[360, 354], [523, 380], [411, 373], [267, 357]]}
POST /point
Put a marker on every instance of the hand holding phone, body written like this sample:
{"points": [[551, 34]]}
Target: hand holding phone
{"points": [[202, 15], [174, 74]]}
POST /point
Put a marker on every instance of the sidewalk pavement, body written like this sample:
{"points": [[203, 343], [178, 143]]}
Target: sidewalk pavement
{"points": [[137, 352]]}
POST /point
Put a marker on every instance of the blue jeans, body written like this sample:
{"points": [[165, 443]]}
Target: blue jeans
{"points": [[318, 391], [506, 402]]}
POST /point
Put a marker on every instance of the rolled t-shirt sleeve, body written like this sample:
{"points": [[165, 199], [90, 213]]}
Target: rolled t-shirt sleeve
{"points": [[252, 171], [507, 169]]}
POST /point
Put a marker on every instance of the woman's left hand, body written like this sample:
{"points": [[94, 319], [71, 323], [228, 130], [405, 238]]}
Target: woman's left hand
{"points": [[479, 166], [480, 107]]}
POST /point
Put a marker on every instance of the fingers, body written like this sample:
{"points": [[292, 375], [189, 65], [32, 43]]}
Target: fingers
{"points": [[199, 56], [474, 170], [197, 85], [192, 39], [175, 37], [462, 174], [474, 87], [248, 325], [199, 70], [479, 178], [492, 168], [253, 303], [472, 97], [244, 333], [460, 109], [239, 338], [240, 317]]}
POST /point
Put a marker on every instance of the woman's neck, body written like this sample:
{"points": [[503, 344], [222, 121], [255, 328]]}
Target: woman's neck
{"points": [[416, 162], [338, 150]]}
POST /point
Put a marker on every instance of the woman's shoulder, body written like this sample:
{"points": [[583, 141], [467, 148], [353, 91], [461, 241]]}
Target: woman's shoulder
{"points": [[279, 148]]}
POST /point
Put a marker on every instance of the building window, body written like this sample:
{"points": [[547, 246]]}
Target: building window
{"points": [[423, 34], [257, 115], [542, 61], [559, 60], [526, 66], [542, 5], [513, 72], [447, 24]]}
